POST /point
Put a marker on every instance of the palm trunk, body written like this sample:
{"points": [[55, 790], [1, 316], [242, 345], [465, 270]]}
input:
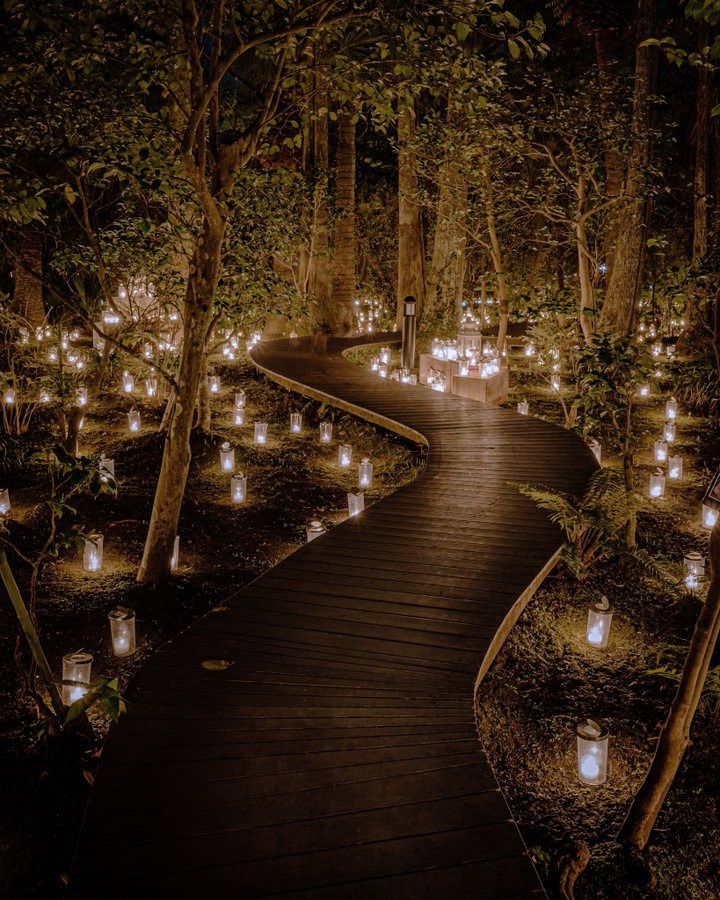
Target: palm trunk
{"points": [[411, 251], [343, 283]]}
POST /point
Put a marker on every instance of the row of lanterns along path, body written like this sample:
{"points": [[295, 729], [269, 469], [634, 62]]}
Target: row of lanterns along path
{"points": [[77, 667]]}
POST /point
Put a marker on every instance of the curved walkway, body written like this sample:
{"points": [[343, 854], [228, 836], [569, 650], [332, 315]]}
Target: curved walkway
{"points": [[338, 756]]}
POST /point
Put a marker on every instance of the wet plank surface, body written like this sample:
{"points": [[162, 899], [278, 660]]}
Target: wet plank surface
{"points": [[338, 756]]}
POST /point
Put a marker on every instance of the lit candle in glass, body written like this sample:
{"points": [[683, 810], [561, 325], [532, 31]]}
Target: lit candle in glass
{"points": [[325, 432], [709, 516], [598, 623], [365, 473], [656, 486], [214, 384], [463, 367], [555, 382], [675, 468], [382, 370], [175, 556], [669, 432], [596, 448], [81, 397], [227, 457], [694, 569], [106, 467], [356, 503], [385, 355], [315, 529], [592, 752], [134, 420], [151, 387], [240, 400], [122, 631], [238, 487], [644, 390], [9, 396], [671, 409], [344, 456], [239, 415], [93, 553], [374, 363], [530, 350], [523, 408], [660, 451], [75, 676], [4, 501], [128, 383], [295, 423], [260, 433]]}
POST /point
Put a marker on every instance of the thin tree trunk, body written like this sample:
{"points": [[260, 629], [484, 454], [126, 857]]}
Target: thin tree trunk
{"points": [[629, 476], [625, 286], [319, 263], [343, 283], [72, 430], [204, 407], [702, 149], [27, 298], [587, 296], [411, 250], [675, 735], [497, 261]]}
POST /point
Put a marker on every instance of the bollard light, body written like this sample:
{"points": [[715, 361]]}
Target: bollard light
{"points": [[238, 487], [675, 468], [656, 486], [106, 467], [214, 384], [260, 433], [344, 456], [356, 503], [4, 501], [671, 408], [596, 448], [151, 387], [598, 623], [295, 423], [325, 432], [660, 451], [76, 668], [128, 382], [93, 553], [669, 432], [227, 457], [314, 530], [523, 408], [175, 556], [122, 631], [134, 420], [694, 569], [592, 752], [240, 399]]}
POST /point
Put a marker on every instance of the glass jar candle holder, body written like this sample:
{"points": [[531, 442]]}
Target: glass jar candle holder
{"points": [[314, 529], [669, 432], [463, 367], [644, 390], [240, 399], [238, 488], [671, 409], [374, 363], [122, 631], [382, 370], [325, 432], [175, 555], [151, 387], [660, 451], [592, 752], [295, 423], [365, 473], [76, 676], [599, 620], [656, 485], [9, 397], [214, 384], [709, 516], [694, 563], [385, 355], [260, 433], [523, 408], [93, 553], [239, 415], [344, 456], [81, 396], [106, 468], [675, 468], [596, 448], [134, 420], [4, 501], [356, 503], [555, 383], [128, 383], [227, 457]]}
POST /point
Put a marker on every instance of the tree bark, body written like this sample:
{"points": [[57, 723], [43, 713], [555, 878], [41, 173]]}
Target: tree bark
{"points": [[702, 151], [204, 409], [343, 283], [497, 261], [27, 298], [587, 295], [319, 263], [411, 249], [675, 735], [625, 284]]}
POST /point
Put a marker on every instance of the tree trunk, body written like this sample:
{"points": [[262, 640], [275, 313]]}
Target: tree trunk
{"points": [[629, 476], [197, 318], [319, 263], [411, 250], [27, 298], [625, 285], [343, 283], [204, 409], [702, 149], [72, 430], [587, 295], [675, 735], [497, 261]]}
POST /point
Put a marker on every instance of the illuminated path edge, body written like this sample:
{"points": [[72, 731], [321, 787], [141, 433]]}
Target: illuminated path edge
{"points": [[337, 757]]}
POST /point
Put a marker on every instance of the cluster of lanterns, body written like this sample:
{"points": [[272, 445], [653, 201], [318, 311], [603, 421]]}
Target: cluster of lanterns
{"points": [[661, 454], [367, 314]]}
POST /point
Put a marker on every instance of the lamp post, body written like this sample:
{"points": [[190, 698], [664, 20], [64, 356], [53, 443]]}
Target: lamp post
{"points": [[408, 333]]}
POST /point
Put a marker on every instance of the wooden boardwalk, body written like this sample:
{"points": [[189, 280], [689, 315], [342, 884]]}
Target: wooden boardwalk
{"points": [[338, 756]]}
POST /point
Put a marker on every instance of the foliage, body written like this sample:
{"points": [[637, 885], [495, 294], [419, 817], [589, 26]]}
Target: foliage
{"points": [[102, 692]]}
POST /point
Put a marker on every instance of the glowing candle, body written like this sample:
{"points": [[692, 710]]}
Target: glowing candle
{"points": [[4, 501], [325, 432], [128, 383], [81, 396], [709, 516], [295, 423], [555, 383], [523, 408], [592, 752], [382, 370], [356, 503], [122, 631], [175, 556], [669, 432], [238, 487], [694, 569], [214, 384], [660, 451], [239, 415], [463, 367], [75, 676], [134, 420], [260, 433], [227, 457], [671, 409], [151, 387], [675, 468], [365, 473], [656, 486], [598, 623], [530, 350], [385, 355], [314, 530], [106, 467], [93, 553], [644, 390], [344, 456], [596, 448]]}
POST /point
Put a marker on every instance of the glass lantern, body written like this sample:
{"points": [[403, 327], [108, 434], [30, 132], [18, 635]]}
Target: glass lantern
{"points": [[260, 433], [325, 432], [76, 668], [675, 468], [385, 355], [81, 397], [122, 631], [93, 553], [592, 752], [365, 473], [175, 557], [383, 370], [660, 451], [356, 503], [295, 423], [669, 432], [4, 501], [227, 457], [374, 363], [214, 384], [463, 367], [151, 387], [671, 409], [709, 516], [9, 396], [344, 456], [106, 467], [314, 530], [238, 487], [594, 445], [694, 569], [239, 415], [555, 383], [134, 420], [523, 408], [128, 382], [240, 400], [644, 390], [656, 486], [598, 623]]}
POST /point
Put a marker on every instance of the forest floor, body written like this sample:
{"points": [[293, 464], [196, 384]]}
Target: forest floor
{"points": [[291, 480], [547, 678]]}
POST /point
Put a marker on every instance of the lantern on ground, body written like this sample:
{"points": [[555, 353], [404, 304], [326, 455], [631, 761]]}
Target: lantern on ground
{"points": [[128, 383], [596, 448], [295, 423], [214, 384], [374, 363], [523, 408], [592, 752], [463, 367], [81, 397], [644, 390], [709, 516], [325, 432], [365, 473], [227, 457], [598, 623], [656, 486], [93, 553], [660, 451], [151, 387], [240, 400], [385, 355], [356, 503], [4, 501], [675, 468], [669, 432], [260, 433], [106, 467], [694, 569], [656, 349], [122, 631], [344, 456], [175, 557], [530, 350], [314, 530], [238, 487], [239, 415], [76, 669], [555, 383], [134, 420], [671, 409], [383, 370]]}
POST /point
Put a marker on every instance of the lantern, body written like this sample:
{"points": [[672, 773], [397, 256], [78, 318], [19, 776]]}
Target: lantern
{"points": [[669, 432], [151, 387], [656, 349], [555, 383], [675, 468], [106, 467], [671, 409], [365, 473], [128, 383], [240, 400], [463, 367], [238, 487], [382, 370], [592, 752], [596, 448], [295, 423], [76, 668], [239, 415], [694, 568], [93, 553], [81, 396], [356, 503], [227, 457], [260, 433], [122, 631], [660, 451], [530, 350], [523, 408], [374, 363], [598, 623], [344, 456], [315, 529], [644, 390], [325, 432], [709, 516], [656, 487], [175, 557], [214, 384], [4, 501], [385, 355], [134, 420]]}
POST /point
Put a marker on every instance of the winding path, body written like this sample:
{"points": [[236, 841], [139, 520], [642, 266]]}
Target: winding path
{"points": [[338, 757]]}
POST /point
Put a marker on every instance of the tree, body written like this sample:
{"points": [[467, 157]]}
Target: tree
{"points": [[343, 280], [411, 243]]}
